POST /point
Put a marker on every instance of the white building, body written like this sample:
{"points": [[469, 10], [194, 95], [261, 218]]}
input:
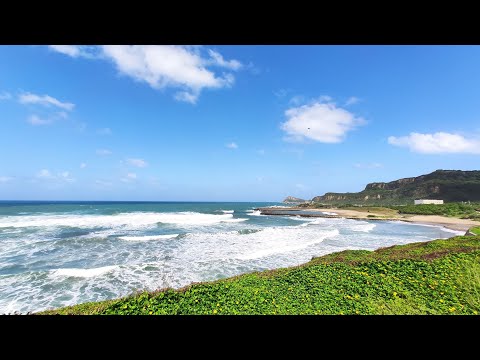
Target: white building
{"points": [[428, 201]]}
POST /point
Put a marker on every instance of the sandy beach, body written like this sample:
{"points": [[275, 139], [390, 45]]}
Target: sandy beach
{"points": [[448, 222], [388, 214]]}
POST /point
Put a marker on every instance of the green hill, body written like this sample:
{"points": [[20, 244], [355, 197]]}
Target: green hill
{"points": [[447, 185], [435, 277]]}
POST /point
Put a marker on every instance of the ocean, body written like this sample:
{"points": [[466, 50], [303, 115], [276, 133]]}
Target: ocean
{"points": [[55, 254]]}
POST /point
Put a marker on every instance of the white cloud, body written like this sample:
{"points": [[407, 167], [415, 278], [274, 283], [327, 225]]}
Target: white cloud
{"points": [[261, 152], [296, 100], [320, 121], [44, 100], [218, 59], [103, 152], [83, 165], [75, 50], [179, 67], [281, 93], [437, 143], [44, 174], [137, 162], [129, 178], [70, 50], [5, 96], [62, 114], [368, 166], [185, 68], [47, 175], [36, 120], [103, 183], [351, 101], [232, 145], [5, 179], [65, 175], [104, 131]]}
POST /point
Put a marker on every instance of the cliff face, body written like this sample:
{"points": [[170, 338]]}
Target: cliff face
{"points": [[447, 185], [291, 199]]}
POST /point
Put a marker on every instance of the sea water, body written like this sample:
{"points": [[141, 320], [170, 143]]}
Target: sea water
{"points": [[54, 254]]}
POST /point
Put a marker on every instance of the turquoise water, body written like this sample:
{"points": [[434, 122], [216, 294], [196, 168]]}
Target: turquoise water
{"points": [[55, 254]]}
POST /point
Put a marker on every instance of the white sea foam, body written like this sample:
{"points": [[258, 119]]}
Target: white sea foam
{"points": [[225, 247], [84, 273], [286, 245], [456, 232], [221, 246], [363, 227], [145, 238], [312, 221], [134, 220], [329, 213], [227, 211], [236, 220]]}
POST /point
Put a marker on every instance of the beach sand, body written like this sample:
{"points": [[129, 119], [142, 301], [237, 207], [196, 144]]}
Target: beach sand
{"points": [[389, 214], [448, 222]]}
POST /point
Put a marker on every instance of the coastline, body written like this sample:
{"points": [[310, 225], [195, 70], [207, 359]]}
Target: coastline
{"points": [[433, 220]]}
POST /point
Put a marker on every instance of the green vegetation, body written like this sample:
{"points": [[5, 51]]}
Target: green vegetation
{"points": [[436, 277], [475, 230], [448, 185], [460, 210]]}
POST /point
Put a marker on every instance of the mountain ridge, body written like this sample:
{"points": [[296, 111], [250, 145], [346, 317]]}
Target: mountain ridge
{"points": [[447, 185]]}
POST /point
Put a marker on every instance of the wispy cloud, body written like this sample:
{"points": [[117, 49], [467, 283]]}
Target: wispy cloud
{"points": [[104, 131], [5, 179], [137, 162], [44, 100], [45, 174], [351, 101], [65, 175], [103, 152], [437, 143], [5, 96], [261, 152], [368, 166], [36, 120], [83, 165], [280, 93], [103, 183], [184, 68], [76, 50], [298, 152], [129, 178], [232, 145], [320, 121], [297, 100], [217, 59]]}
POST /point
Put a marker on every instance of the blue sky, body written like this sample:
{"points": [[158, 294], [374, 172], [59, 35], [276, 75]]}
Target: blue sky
{"points": [[231, 123]]}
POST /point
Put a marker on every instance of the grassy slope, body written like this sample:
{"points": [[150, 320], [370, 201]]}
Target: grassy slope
{"points": [[436, 277], [475, 230]]}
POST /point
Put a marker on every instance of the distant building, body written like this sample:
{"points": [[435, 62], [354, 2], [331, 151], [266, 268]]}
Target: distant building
{"points": [[428, 201]]}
